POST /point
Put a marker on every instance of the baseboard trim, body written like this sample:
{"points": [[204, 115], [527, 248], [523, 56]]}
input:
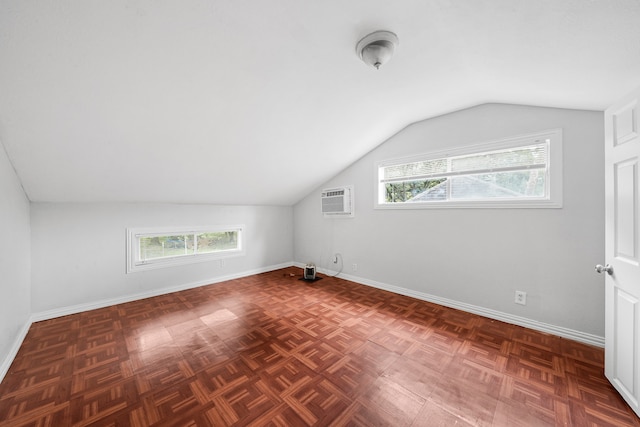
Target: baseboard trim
{"points": [[561, 331], [13, 352], [65, 311], [79, 308], [492, 314]]}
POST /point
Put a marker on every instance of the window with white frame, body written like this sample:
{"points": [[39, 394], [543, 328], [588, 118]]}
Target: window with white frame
{"points": [[150, 248], [522, 171]]}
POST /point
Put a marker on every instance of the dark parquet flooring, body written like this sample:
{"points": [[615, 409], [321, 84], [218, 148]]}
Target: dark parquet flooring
{"points": [[272, 350]]}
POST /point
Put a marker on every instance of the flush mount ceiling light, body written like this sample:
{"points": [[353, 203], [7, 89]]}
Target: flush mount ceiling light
{"points": [[377, 48]]}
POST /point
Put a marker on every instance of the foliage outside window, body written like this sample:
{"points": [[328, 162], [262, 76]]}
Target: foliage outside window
{"points": [[522, 171], [153, 248]]}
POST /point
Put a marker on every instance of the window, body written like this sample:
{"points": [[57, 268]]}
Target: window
{"points": [[150, 248], [524, 171]]}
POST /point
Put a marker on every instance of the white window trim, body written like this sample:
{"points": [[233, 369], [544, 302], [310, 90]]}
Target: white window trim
{"points": [[134, 263], [554, 183]]}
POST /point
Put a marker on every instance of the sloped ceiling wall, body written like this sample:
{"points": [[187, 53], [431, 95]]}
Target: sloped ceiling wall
{"points": [[254, 102]]}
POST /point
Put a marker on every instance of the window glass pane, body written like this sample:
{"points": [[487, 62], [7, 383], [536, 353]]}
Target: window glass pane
{"points": [[149, 248], [517, 157], [218, 241], [427, 167], [514, 171], [166, 246], [409, 191], [501, 185]]}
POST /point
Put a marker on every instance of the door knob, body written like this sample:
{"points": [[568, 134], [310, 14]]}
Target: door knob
{"points": [[607, 269]]}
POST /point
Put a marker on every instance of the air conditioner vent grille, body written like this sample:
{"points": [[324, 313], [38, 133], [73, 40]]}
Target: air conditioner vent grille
{"points": [[337, 202], [333, 193]]}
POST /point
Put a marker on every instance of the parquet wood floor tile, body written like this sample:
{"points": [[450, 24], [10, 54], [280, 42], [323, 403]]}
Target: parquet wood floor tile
{"points": [[272, 350]]}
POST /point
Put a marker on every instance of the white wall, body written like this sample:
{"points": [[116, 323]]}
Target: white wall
{"points": [[79, 250], [478, 256], [15, 262]]}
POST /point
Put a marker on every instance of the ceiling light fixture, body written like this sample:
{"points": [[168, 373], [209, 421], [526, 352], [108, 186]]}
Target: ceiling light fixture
{"points": [[377, 48]]}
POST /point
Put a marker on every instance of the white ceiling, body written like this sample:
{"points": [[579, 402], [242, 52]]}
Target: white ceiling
{"points": [[260, 101]]}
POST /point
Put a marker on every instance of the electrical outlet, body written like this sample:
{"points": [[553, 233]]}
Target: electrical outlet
{"points": [[521, 298], [354, 267], [221, 263]]}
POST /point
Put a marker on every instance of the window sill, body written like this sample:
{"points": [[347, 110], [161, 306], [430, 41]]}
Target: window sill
{"points": [[484, 204]]}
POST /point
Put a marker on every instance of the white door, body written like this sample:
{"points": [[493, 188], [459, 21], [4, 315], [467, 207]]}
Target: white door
{"points": [[622, 250]]}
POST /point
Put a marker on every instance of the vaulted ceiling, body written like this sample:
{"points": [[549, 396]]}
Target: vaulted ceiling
{"points": [[260, 101]]}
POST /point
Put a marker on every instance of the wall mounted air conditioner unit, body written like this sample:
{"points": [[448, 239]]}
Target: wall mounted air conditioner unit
{"points": [[338, 202]]}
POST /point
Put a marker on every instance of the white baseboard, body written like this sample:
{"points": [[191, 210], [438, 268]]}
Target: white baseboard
{"points": [[492, 314], [13, 351], [65, 311], [79, 308], [561, 331]]}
